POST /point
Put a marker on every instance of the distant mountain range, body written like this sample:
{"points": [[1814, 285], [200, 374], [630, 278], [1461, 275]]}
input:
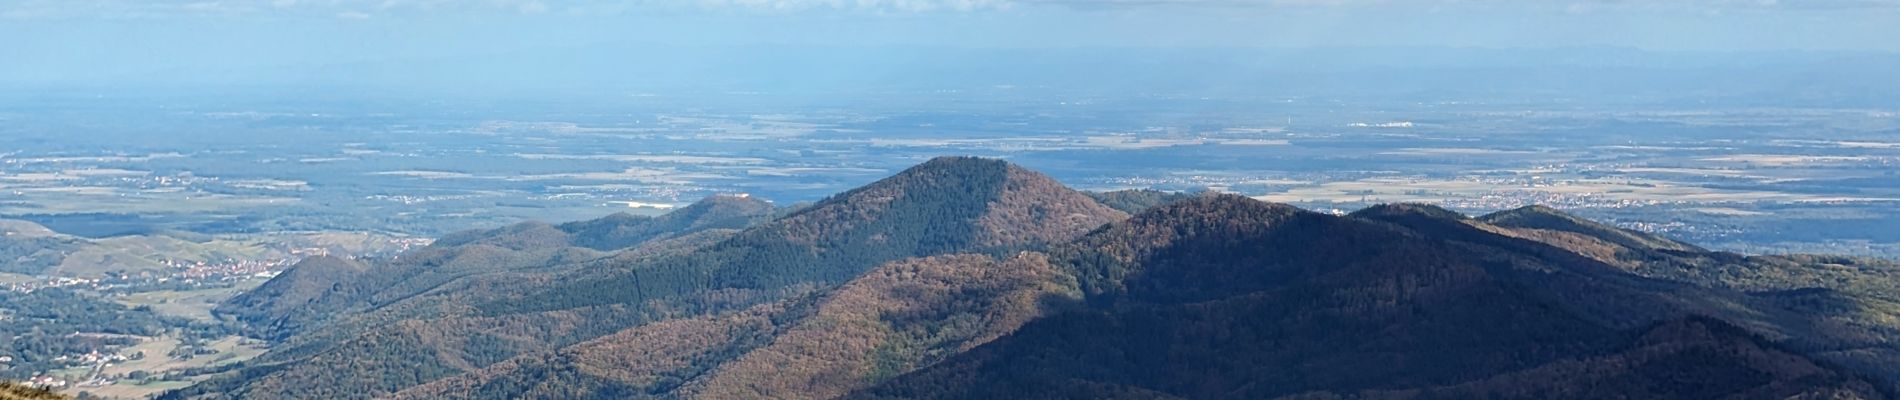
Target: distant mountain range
{"points": [[974, 278]]}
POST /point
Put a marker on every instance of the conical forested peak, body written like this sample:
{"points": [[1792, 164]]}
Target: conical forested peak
{"points": [[962, 163], [298, 295], [973, 176], [947, 205], [955, 203], [953, 172]]}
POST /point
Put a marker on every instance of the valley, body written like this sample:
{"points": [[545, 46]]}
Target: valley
{"points": [[132, 316]]}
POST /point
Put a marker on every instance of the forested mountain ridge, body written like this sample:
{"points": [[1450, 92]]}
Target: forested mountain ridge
{"points": [[292, 301], [390, 296], [1843, 309], [1838, 309], [973, 278], [623, 230], [1227, 297], [947, 205]]}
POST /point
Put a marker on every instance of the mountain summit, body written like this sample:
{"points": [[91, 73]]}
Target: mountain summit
{"points": [[951, 202], [944, 206]]}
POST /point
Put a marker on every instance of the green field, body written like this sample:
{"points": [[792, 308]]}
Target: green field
{"points": [[12, 278], [194, 304]]}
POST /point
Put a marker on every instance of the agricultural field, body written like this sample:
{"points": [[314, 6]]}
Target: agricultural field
{"points": [[193, 304]]}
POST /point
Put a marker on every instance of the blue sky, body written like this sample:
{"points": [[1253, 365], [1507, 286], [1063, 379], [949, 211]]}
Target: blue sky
{"points": [[1650, 24], [65, 40]]}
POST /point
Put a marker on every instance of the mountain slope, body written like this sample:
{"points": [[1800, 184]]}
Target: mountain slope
{"points": [[895, 319], [1694, 358], [1841, 309], [305, 292], [947, 205], [1549, 219], [1226, 297]]}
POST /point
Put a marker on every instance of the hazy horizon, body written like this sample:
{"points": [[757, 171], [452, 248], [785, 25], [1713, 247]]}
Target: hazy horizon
{"points": [[508, 46]]}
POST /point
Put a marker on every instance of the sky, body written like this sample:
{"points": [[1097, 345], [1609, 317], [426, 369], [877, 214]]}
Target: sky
{"points": [[64, 41]]}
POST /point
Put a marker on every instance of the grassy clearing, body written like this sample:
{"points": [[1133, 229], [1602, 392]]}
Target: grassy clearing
{"points": [[194, 304], [8, 278]]}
